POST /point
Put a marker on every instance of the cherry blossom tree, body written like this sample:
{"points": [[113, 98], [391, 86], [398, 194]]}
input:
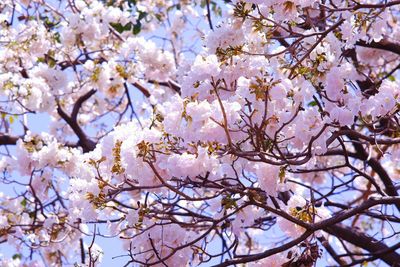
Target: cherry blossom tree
{"points": [[226, 133]]}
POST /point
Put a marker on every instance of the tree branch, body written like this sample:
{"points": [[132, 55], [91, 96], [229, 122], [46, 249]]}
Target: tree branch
{"points": [[376, 166], [6, 139], [84, 141], [365, 242], [384, 44], [171, 84]]}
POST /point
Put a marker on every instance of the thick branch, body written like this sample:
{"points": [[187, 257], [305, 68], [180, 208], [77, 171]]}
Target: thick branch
{"points": [[141, 88], [384, 44], [337, 230], [171, 84], [331, 250], [79, 102], [376, 166], [365, 242], [370, 139], [209, 15], [8, 139], [84, 141], [266, 253]]}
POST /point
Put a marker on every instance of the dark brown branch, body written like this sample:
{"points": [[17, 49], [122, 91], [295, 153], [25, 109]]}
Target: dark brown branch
{"points": [[384, 5], [79, 102], [209, 15], [141, 88], [8, 139], [372, 245], [365, 242], [171, 84], [376, 166], [369, 139], [84, 141], [266, 253], [331, 250], [384, 44], [82, 250], [341, 216]]}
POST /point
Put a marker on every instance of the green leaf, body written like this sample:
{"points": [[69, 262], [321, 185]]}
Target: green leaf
{"points": [[142, 15], [17, 256], [132, 3], [23, 203], [312, 103], [48, 22], [57, 37], [51, 62], [120, 28], [137, 28]]}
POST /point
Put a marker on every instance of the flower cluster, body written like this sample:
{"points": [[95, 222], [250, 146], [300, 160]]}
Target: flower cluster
{"points": [[178, 126]]}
